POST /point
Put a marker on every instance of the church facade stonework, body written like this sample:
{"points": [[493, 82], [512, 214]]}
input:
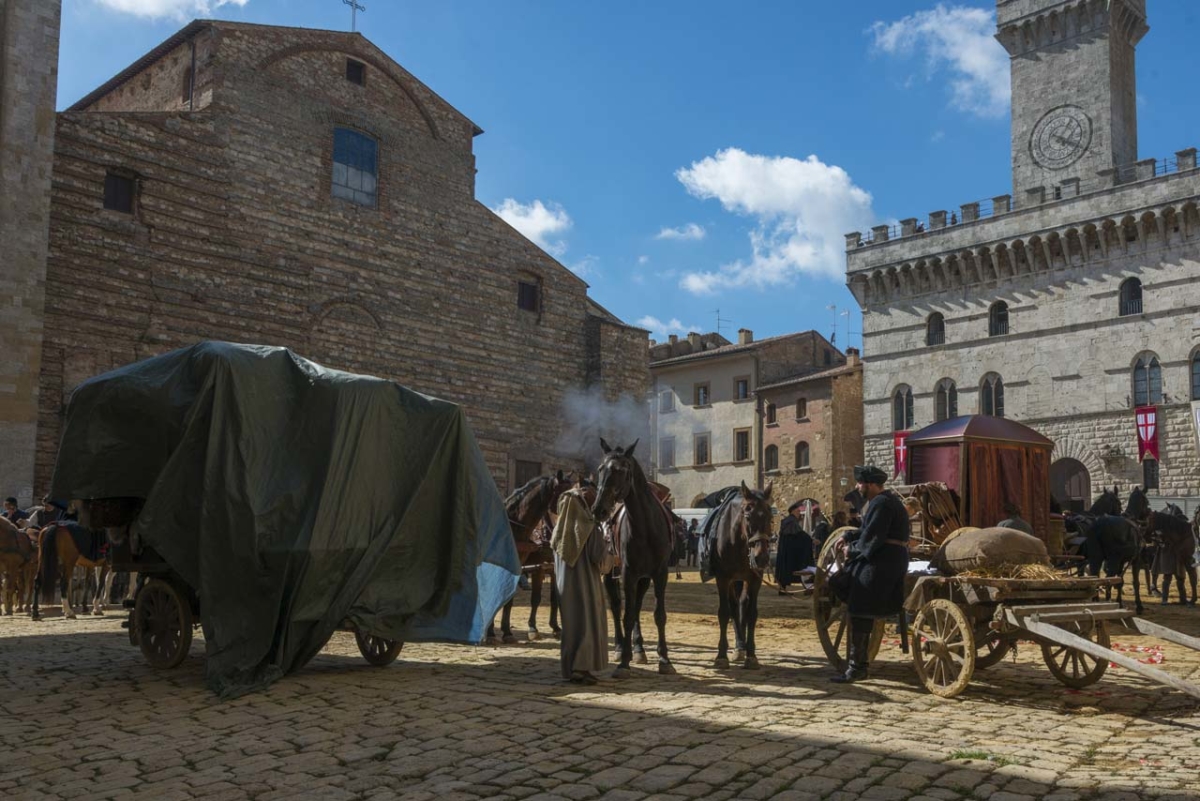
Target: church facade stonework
{"points": [[1067, 304]]}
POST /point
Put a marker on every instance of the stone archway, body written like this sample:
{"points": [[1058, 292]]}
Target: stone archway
{"points": [[1071, 485]]}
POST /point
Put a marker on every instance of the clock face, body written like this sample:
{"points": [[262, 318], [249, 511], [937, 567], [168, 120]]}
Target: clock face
{"points": [[1061, 137]]}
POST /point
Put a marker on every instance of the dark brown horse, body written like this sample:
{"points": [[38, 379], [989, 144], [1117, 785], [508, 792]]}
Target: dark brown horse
{"points": [[643, 530], [529, 509], [740, 550], [18, 561], [58, 557], [1111, 542], [1175, 543]]}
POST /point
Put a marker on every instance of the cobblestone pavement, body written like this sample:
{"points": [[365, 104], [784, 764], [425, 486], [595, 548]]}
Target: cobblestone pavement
{"points": [[83, 717]]}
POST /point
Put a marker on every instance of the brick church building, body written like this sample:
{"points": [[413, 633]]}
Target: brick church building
{"points": [[299, 188]]}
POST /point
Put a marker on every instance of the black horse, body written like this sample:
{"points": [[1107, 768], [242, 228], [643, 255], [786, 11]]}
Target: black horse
{"points": [[1175, 543], [643, 530], [1111, 542], [528, 509], [740, 550]]}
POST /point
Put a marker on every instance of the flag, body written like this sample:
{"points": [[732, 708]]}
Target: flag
{"points": [[1147, 432], [900, 445], [1196, 422]]}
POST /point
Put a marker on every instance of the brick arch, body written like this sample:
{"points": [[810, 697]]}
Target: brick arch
{"points": [[1067, 448], [368, 59], [343, 329]]}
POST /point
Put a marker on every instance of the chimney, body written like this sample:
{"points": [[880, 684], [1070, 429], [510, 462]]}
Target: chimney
{"points": [[852, 359], [674, 340], [694, 341], [745, 336]]}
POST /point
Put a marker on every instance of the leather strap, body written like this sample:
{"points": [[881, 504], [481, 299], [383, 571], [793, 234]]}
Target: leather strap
{"points": [[896, 542]]}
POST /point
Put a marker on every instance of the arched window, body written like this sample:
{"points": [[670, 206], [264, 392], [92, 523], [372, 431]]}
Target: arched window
{"points": [[902, 409], [935, 330], [355, 167], [801, 408], [1196, 375], [801, 455], [1131, 297], [771, 458], [945, 400], [991, 395], [998, 319], [771, 417], [1147, 380]]}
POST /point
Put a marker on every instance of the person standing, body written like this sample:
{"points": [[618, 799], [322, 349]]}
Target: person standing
{"points": [[820, 533], [1014, 519], [871, 582], [795, 548], [43, 516], [693, 542], [581, 558], [13, 513]]}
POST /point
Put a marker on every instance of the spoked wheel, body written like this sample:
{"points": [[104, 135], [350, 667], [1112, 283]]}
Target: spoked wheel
{"points": [[993, 647], [831, 615], [943, 648], [1075, 668], [162, 616], [377, 650]]}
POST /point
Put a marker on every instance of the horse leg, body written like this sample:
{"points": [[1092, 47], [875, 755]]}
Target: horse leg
{"points": [[639, 645], [105, 583], [613, 587], [490, 638], [506, 625], [66, 573], [1137, 584], [749, 615], [630, 586], [739, 622], [535, 600], [660, 620], [554, 607], [723, 604], [1191, 571]]}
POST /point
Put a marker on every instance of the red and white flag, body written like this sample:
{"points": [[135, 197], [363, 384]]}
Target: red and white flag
{"points": [[900, 445], [1147, 432]]}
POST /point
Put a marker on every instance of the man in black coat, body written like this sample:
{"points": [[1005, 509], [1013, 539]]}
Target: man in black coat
{"points": [[794, 551], [872, 582]]}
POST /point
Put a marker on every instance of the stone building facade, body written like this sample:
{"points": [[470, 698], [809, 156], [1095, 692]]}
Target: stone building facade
{"points": [[1066, 306], [706, 418], [813, 434], [28, 88], [299, 188]]}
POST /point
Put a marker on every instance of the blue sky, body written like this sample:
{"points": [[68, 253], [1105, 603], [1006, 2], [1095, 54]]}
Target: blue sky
{"points": [[691, 156]]}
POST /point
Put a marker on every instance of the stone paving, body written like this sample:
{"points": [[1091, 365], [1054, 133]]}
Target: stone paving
{"points": [[83, 717]]}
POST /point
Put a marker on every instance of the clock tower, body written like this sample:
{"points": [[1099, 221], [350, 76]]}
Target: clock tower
{"points": [[1074, 91]]}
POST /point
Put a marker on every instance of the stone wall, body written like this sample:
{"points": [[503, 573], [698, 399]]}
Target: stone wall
{"points": [[28, 87], [236, 236]]}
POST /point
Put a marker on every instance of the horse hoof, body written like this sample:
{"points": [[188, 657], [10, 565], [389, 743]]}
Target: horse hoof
{"points": [[751, 663], [491, 642], [640, 657], [666, 669], [509, 639], [622, 673], [533, 635], [721, 663], [739, 656], [558, 634]]}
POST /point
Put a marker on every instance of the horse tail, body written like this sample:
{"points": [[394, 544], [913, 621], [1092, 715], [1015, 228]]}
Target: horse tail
{"points": [[48, 563]]}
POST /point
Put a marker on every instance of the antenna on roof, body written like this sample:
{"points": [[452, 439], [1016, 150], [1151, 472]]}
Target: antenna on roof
{"points": [[355, 7], [833, 308], [720, 320]]}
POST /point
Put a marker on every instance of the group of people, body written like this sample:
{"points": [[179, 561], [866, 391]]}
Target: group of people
{"points": [[802, 534], [36, 518]]}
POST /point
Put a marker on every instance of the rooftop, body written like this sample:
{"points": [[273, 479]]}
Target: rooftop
{"points": [[726, 350], [804, 378], [979, 427]]}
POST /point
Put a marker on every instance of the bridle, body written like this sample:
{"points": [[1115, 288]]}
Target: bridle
{"points": [[751, 538]]}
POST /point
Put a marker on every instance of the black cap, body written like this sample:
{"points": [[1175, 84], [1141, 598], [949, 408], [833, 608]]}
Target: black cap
{"points": [[869, 474], [795, 506]]}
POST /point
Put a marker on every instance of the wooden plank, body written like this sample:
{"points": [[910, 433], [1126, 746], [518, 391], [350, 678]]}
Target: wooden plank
{"points": [[1081, 616], [1164, 633], [1034, 609], [1063, 637]]}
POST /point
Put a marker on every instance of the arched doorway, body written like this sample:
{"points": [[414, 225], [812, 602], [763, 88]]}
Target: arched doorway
{"points": [[1071, 485]]}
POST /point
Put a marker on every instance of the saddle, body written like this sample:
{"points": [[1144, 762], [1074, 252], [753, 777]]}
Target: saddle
{"points": [[612, 527]]}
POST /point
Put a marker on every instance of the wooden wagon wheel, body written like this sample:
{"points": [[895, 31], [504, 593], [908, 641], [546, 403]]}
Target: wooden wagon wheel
{"points": [[943, 648], [162, 616], [831, 615], [1075, 668], [993, 647], [377, 650]]}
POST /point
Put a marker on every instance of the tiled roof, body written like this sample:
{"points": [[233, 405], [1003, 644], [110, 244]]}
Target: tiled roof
{"points": [[725, 350], [833, 372]]}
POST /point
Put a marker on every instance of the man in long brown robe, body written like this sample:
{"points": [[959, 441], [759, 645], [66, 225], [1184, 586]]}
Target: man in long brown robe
{"points": [[581, 558]]}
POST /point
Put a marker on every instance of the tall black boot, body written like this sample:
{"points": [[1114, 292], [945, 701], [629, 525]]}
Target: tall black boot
{"points": [[860, 649]]}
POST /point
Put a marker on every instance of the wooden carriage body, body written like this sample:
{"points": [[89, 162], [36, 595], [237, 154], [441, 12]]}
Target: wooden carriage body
{"points": [[988, 462]]}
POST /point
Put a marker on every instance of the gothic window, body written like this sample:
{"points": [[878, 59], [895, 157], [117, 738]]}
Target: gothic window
{"points": [[902, 409], [1131, 297], [991, 395], [119, 192], [771, 458], [935, 330], [1196, 375], [1147, 380], [801, 455], [801, 408], [998, 319], [945, 400], [355, 167], [771, 415], [1150, 474]]}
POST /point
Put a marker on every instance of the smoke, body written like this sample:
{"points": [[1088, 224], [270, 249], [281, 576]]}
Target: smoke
{"points": [[587, 416]]}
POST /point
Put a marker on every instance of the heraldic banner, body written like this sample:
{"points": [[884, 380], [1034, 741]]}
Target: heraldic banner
{"points": [[1196, 422], [1147, 432], [900, 447]]}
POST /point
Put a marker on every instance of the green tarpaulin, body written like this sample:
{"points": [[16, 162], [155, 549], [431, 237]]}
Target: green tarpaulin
{"points": [[291, 498]]}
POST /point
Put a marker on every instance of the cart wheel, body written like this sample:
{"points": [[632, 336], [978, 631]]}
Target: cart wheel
{"points": [[993, 647], [830, 614], [1075, 668], [943, 648], [376, 650], [162, 617]]}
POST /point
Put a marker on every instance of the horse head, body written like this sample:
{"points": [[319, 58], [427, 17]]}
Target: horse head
{"points": [[1109, 503], [615, 477], [755, 525], [1138, 507]]}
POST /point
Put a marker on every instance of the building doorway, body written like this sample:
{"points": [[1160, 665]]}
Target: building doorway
{"points": [[1071, 485]]}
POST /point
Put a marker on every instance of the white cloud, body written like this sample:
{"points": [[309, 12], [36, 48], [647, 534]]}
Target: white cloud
{"points": [[803, 209], [180, 9], [643, 259], [959, 39], [660, 329], [543, 224], [588, 266], [689, 232], [937, 136]]}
